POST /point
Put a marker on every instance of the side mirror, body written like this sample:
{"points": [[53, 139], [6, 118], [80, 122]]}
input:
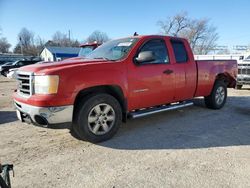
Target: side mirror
{"points": [[146, 56]]}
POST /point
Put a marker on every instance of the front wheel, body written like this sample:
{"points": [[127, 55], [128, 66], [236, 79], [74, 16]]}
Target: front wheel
{"points": [[97, 118], [218, 96], [4, 73]]}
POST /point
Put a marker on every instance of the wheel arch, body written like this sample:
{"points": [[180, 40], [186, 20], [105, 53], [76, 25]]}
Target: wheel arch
{"points": [[227, 79], [113, 90]]}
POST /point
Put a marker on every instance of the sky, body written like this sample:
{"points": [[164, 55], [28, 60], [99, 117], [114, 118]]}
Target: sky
{"points": [[121, 18]]}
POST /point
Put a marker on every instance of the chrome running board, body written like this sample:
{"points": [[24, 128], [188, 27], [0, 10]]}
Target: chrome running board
{"points": [[154, 110]]}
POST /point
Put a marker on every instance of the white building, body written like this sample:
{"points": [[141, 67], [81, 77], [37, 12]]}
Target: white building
{"points": [[58, 53]]}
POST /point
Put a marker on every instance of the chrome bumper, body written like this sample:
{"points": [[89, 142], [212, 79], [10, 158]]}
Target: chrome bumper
{"points": [[53, 115], [243, 79]]}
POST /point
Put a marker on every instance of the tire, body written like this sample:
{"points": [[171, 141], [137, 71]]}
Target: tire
{"points": [[238, 86], [5, 73], [217, 98], [97, 118]]}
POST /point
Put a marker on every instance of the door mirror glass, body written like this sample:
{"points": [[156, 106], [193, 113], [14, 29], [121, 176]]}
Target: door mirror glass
{"points": [[146, 56]]}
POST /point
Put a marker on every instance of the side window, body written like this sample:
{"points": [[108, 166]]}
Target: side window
{"points": [[180, 52], [20, 63], [158, 47], [27, 63]]}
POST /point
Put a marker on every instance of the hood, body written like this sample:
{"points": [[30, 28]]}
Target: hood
{"points": [[6, 66], [46, 67], [74, 58]]}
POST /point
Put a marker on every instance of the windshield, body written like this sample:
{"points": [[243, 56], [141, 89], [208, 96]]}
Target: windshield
{"points": [[85, 51], [15, 63], [113, 50]]}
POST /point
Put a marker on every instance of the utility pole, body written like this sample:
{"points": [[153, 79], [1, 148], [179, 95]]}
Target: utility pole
{"points": [[21, 45], [69, 35]]}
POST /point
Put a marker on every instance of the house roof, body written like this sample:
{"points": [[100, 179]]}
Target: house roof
{"points": [[63, 50]]}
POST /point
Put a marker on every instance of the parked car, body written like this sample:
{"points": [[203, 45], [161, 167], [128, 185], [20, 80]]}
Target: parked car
{"points": [[124, 78], [6, 64], [12, 73], [4, 69], [2, 62], [243, 77]]}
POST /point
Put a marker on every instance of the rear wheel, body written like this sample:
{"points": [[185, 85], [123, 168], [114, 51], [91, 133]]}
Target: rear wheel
{"points": [[97, 118], [218, 96]]}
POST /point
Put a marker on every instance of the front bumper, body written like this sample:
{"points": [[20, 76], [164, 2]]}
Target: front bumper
{"points": [[243, 79], [45, 115]]}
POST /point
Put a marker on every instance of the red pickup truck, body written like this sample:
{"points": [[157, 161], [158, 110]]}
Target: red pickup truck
{"points": [[125, 78]]}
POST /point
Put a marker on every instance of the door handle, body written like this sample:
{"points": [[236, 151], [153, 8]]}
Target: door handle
{"points": [[168, 71]]}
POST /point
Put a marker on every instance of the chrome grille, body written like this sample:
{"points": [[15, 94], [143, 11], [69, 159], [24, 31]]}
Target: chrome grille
{"points": [[24, 83], [244, 69]]}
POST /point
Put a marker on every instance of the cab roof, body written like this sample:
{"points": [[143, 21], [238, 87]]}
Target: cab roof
{"points": [[152, 36]]}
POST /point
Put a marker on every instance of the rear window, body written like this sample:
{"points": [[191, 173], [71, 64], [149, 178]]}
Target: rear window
{"points": [[179, 51]]}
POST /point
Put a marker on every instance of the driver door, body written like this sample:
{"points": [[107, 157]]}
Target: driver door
{"points": [[148, 82]]}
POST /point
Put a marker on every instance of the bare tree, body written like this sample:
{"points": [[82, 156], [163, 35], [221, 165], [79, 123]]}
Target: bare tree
{"points": [[39, 44], [26, 44], [4, 45], [61, 39], [205, 39], [98, 36], [26, 38], [174, 25], [201, 35]]}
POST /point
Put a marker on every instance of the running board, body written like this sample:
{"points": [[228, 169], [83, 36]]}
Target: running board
{"points": [[142, 113]]}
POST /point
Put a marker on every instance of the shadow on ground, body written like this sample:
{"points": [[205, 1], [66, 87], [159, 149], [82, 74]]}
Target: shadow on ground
{"points": [[7, 116], [193, 127]]}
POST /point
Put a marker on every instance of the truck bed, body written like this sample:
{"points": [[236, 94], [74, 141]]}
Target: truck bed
{"points": [[209, 70]]}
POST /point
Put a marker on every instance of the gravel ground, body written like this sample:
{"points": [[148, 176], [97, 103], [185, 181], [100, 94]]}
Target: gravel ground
{"points": [[193, 147]]}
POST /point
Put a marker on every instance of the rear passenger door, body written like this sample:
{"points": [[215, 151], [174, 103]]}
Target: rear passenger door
{"points": [[185, 70]]}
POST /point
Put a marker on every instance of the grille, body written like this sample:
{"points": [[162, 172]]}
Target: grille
{"points": [[24, 83], [243, 71]]}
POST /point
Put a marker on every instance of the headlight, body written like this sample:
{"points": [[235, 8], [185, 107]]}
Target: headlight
{"points": [[46, 84]]}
